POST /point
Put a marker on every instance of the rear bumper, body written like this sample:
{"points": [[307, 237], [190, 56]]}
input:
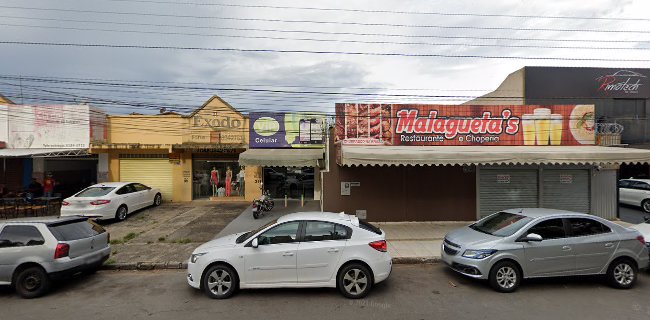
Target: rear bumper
{"points": [[99, 212], [382, 268], [78, 268]]}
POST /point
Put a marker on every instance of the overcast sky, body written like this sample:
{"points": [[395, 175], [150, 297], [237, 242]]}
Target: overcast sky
{"points": [[150, 23]]}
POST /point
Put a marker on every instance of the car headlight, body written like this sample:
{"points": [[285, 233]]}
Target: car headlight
{"points": [[195, 256], [478, 254]]}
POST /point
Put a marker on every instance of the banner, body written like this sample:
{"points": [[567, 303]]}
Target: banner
{"points": [[286, 130], [431, 125]]}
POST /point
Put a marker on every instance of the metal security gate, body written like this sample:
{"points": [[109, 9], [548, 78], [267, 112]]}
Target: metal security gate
{"points": [[156, 173], [566, 189], [501, 189]]}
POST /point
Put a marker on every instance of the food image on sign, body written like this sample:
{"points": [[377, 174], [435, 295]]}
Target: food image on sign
{"points": [[420, 125]]}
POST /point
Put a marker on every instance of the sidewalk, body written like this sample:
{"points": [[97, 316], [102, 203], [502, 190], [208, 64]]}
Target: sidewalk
{"points": [[416, 242]]}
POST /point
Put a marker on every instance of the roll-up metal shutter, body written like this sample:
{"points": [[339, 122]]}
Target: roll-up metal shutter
{"points": [[566, 189], [501, 189], [155, 173]]}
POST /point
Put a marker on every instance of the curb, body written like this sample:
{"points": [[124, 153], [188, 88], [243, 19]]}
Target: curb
{"points": [[144, 266]]}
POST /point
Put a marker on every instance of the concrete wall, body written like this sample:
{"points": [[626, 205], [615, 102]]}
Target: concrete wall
{"points": [[509, 92]]}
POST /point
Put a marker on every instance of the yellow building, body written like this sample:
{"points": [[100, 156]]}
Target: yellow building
{"points": [[186, 156], [5, 100]]}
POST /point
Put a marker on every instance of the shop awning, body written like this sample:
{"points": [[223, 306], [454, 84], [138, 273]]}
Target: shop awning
{"points": [[281, 157], [489, 155], [36, 153]]}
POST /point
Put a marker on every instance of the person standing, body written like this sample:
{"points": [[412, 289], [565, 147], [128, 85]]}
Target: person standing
{"points": [[228, 181], [48, 185], [214, 179]]}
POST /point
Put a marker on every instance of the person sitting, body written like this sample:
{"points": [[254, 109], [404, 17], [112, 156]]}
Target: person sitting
{"points": [[35, 188]]}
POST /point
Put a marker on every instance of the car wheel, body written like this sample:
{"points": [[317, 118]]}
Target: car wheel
{"points": [[121, 213], [157, 200], [505, 276], [32, 282], [220, 282], [354, 281], [622, 274], [645, 205]]}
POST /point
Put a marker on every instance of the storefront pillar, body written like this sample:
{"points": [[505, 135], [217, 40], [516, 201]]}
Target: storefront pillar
{"points": [[38, 169], [182, 177], [103, 164], [253, 181]]}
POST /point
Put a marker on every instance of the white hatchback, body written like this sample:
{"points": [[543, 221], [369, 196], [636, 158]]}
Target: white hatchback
{"points": [[635, 192], [311, 249], [111, 200]]}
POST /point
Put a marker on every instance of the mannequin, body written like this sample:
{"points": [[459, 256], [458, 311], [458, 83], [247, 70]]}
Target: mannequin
{"points": [[214, 180], [240, 181], [228, 181]]}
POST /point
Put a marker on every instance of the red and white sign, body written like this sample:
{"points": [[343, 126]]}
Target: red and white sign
{"points": [[465, 125]]}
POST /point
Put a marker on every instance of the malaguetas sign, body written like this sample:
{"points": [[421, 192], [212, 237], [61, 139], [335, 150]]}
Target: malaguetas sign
{"points": [[426, 125]]}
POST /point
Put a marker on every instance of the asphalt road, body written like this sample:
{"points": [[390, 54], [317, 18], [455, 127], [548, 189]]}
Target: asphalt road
{"points": [[412, 292], [631, 214]]}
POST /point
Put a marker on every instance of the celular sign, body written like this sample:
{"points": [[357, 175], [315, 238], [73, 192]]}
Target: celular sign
{"points": [[287, 130]]}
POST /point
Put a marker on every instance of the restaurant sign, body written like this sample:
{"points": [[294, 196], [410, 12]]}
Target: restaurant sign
{"points": [[430, 125], [286, 130]]}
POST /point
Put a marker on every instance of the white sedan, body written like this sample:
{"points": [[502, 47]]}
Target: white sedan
{"points": [[299, 250], [111, 200], [635, 192]]}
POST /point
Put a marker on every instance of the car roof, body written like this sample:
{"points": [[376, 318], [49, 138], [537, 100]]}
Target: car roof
{"points": [[315, 215], [641, 180], [46, 220], [110, 184], [544, 212]]}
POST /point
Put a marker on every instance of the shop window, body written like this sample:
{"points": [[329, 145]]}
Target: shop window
{"points": [[289, 181], [210, 178]]}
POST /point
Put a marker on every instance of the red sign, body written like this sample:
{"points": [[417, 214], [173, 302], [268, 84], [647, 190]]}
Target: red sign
{"points": [[410, 124]]}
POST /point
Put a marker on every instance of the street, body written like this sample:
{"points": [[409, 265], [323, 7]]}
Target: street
{"points": [[428, 291], [632, 214]]}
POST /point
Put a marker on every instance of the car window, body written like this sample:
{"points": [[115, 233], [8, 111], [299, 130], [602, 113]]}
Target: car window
{"points": [[641, 186], [76, 230], [501, 224], [584, 227], [124, 190], [95, 192], [140, 187], [284, 233], [321, 230], [20, 236], [624, 183], [549, 229]]}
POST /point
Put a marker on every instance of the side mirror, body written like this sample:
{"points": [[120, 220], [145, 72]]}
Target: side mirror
{"points": [[254, 243], [531, 237]]}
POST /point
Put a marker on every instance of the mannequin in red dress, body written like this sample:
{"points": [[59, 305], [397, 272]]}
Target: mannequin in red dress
{"points": [[228, 181], [214, 180]]}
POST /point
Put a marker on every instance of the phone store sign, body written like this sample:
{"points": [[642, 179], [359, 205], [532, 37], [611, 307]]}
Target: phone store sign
{"points": [[286, 130], [465, 125]]}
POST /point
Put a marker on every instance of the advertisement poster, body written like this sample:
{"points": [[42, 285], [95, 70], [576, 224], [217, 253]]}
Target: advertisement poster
{"points": [[453, 125], [54, 126], [287, 130]]}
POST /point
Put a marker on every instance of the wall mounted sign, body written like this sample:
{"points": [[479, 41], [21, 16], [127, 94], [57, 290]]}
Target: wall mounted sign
{"points": [[430, 125], [286, 130]]}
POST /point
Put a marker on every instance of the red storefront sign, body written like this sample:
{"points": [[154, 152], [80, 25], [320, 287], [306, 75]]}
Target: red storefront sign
{"points": [[427, 125]]}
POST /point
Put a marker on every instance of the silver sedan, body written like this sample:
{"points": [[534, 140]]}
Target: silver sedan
{"points": [[508, 246]]}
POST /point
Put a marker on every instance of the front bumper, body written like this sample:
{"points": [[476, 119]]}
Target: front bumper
{"points": [[474, 268], [193, 275]]}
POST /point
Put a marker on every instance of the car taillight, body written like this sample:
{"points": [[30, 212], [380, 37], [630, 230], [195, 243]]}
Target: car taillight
{"points": [[379, 245], [641, 239], [62, 250], [65, 203], [99, 202]]}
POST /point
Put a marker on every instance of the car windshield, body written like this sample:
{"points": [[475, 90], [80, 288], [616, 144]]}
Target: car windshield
{"points": [[248, 234], [94, 192], [501, 224]]}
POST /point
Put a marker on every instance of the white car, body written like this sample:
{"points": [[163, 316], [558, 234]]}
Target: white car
{"points": [[644, 229], [299, 250], [635, 192], [111, 200]]}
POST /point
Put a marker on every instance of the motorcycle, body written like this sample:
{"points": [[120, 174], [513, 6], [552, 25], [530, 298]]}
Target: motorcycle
{"points": [[263, 204]]}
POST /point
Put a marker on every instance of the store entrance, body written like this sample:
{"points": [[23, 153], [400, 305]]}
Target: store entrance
{"points": [[290, 181], [209, 179]]}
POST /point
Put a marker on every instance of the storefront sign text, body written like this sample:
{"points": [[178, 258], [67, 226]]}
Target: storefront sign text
{"points": [[622, 81], [287, 130]]}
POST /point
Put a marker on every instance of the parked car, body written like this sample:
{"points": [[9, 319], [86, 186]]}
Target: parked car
{"points": [[635, 192], [36, 251], [299, 250], [644, 229], [111, 200], [511, 245]]}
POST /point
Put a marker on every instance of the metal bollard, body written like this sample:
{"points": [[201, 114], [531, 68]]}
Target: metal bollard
{"points": [[285, 201]]}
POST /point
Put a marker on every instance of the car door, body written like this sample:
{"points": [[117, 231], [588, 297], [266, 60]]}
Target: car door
{"points": [[143, 194], [320, 250], [125, 195], [552, 256], [274, 260], [637, 192], [594, 244], [18, 242], [624, 191]]}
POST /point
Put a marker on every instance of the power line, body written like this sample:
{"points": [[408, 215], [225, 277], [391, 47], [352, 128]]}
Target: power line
{"points": [[321, 40], [351, 53], [324, 22], [326, 32], [437, 13]]}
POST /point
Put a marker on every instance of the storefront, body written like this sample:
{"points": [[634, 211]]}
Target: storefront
{"points": [[52, 141], [459, 163], [289, 147], [187, 157]]}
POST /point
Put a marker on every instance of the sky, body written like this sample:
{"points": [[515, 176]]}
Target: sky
{"points": [[431, 40]]}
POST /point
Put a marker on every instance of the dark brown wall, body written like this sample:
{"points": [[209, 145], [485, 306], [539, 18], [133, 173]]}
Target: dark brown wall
{"points": [[402, 193], [11, 176]]}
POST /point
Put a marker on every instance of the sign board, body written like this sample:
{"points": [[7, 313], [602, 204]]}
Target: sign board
{"points": [[287, 130], [345, 188], [436, 125], [566, 178], [503, 178], [216, 122]]}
